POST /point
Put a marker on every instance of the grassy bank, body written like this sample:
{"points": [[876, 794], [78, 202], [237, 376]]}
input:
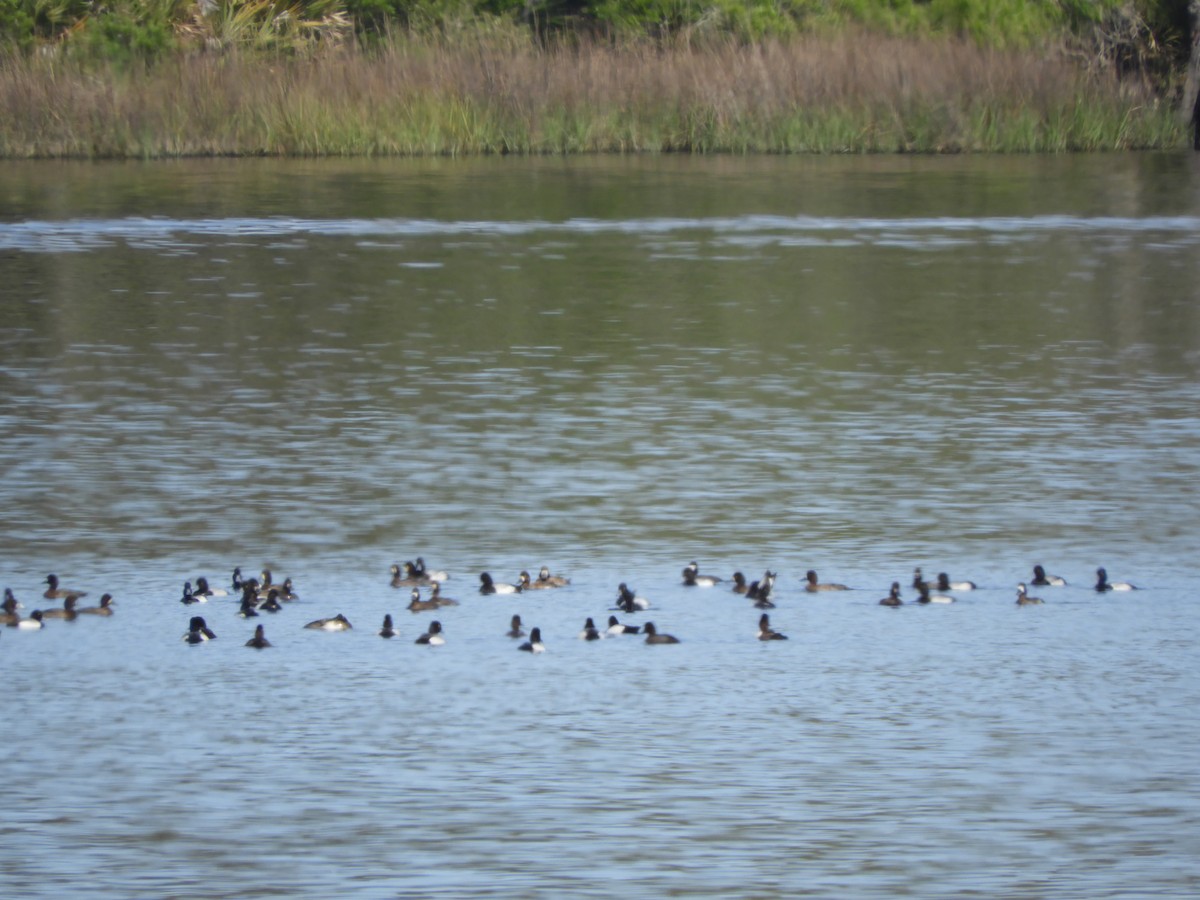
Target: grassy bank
{"points": [[843, 93]]}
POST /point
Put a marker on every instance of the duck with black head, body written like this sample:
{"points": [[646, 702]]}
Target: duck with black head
{"points": [[67, 611], [654, 636], [630, 602], [813, 585], [693, 578], [766, 632], [388, 630], [54, 592], [534, 644], [1103, 584], [488, 585], [434, 637], [893, 597], [1041, 579]]}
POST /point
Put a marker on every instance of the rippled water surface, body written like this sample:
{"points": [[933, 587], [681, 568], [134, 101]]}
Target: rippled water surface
{"points": [[610, 367]]}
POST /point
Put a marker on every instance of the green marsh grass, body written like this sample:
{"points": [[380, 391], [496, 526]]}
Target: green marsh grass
{"points": [[849, 93]]}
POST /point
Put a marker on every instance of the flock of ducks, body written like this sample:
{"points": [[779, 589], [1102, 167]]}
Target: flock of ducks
{"points": [[264, 595]]}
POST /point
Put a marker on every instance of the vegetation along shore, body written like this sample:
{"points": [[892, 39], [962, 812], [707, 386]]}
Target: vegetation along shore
{"points": [[164, 78]]}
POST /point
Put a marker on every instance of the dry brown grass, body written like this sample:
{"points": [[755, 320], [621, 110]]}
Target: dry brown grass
{"points": [[848, 93]]}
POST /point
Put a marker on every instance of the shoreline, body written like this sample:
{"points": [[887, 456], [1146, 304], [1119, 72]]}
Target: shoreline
{"points": [[846, 93]]}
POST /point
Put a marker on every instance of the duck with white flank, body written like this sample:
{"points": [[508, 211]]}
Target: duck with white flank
{"points": [[198, 631], [487, 585], [590, 632], [429, 575], [628, 601], [189, 596], [534, 644], [945, 584], [33, 623], [433, 637], [693, 578], [615, 627], [924, 595], [1103, 584], [1041, 579]]}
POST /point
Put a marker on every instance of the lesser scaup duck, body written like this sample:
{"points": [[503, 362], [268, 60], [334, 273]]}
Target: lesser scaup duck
{"points": [[925, 597], [433, 636], [430, 575], [271, 604], [893, 597], [203, 588], [337, 623], [693, 578], [388, 630], [760, 591], [526, 583], [653, 636], [104, 609], [754, 593], [1103, 584], [66, 611], [628, 601], [10, 616], [945, 584], [534, 644], [918, 579], [54, 592], [615, 627], [1041, 579], [259, 641], [198, 631], [812, 585], [590, 632], [249, 607], [515, 631], [435, 595], [404, 578], [190, 596], [236, 579], [1023, 599], [416, 604], [765, 632], [739, 583], [488, 586], [33, 623], [545, 578], [287, 592]]}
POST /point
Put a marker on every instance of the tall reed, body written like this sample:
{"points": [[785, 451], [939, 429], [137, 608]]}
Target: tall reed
{"points": [[849, 93]]}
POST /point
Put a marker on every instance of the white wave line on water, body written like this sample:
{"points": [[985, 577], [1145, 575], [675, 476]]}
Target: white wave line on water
{"points": [[88, 234]]}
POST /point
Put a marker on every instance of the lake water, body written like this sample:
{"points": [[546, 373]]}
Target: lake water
{"points": [[610, 367]]}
